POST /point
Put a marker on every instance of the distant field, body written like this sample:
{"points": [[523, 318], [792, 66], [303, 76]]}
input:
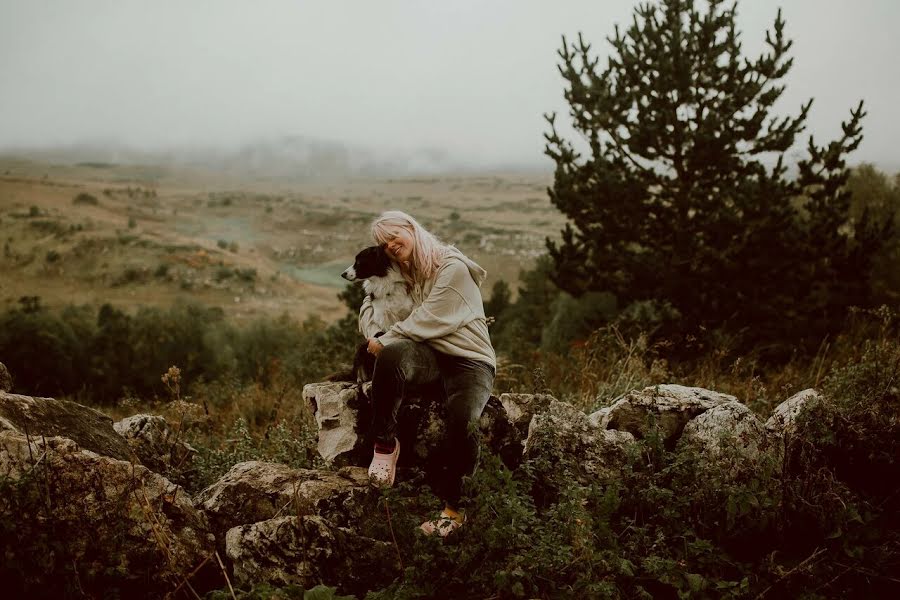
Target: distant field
{"points": [[90, 233]]}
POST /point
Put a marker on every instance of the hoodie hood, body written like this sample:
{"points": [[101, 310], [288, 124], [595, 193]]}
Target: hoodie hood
{"points": [[478, 273]]}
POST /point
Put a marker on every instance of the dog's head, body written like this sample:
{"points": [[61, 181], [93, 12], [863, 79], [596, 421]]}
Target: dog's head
{"points": [[370, 262]]}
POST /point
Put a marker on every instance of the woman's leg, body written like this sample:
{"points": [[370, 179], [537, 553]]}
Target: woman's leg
{"points": [[468, 384], [401, 363]]}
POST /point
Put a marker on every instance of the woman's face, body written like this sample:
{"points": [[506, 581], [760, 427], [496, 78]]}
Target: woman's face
{"points": [[400, 244]]}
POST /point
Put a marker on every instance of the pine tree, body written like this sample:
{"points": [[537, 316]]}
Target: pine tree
{"points": [[681, 195]]}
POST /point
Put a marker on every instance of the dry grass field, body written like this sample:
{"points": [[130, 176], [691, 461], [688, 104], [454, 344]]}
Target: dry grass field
{"points": [[91, 233]]}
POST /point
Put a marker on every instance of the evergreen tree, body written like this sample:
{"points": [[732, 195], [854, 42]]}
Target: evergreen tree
{"points": [[682, 197], [500, 300]]}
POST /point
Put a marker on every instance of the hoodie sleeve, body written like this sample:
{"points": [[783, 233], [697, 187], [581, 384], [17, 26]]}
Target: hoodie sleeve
{"points": [[444, 311], [367, 327]]}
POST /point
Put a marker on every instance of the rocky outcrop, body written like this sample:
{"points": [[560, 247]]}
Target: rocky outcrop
{"points": [[339, 409], [308, 550], [730, 425], [665, 409], [520, 408], [271, 523], [563, 446], [734, 438], [343, 413], [123, 526], [90, 429], [155, 444], [257, 491]]}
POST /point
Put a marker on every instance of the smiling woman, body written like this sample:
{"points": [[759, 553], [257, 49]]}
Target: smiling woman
{"points": [[446, 339], [418, 252], [400, 243]]}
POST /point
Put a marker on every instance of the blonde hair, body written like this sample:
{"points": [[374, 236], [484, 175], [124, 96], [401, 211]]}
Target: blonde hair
{"points": [[427, 253]]}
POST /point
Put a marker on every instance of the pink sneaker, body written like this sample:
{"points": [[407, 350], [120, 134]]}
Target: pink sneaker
{"points": [[383, 468], [443, 526]]}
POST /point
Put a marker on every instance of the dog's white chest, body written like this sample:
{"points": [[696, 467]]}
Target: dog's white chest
{"points": [[390, 300]]}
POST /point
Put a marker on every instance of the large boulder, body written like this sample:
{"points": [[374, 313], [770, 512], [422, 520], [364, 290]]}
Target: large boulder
{"points": [[664, 409], [257, 491], [783, 421], [563, 447], [730, 428], [307, 551], [341, 411], [520, 408], [48, 417], [156, 444], [118, 524]]}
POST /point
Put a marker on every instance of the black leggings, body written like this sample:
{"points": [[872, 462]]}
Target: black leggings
{"points": [[467, 383]]}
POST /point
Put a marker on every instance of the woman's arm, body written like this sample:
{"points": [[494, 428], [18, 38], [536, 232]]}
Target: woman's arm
{"points": [[444, 311]]}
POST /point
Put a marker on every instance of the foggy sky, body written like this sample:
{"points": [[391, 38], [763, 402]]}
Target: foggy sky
{"points": [[469, 77]]}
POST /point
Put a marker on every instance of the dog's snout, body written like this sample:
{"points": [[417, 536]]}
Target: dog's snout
{"points": [[349, 274]]}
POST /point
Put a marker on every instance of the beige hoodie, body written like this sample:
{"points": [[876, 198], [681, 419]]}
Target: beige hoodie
{"points": [[450, 313]]}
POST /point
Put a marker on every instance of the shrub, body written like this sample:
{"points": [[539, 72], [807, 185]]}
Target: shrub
{"points": [[289, 443], [846, 453], [48, 226], [85, 199], [222, 273], [248, 274]]}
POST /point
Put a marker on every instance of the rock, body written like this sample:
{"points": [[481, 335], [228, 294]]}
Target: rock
{"points": [[307, 551], [156, 445], [124, 526], [729, 466], [730, 425], [600, 418], [783, 421], [257, 491], [5, 379], [89, 428], [520, 408], [564, 446], [343, 416], [337, 407], [666, 408], [500, 436]]}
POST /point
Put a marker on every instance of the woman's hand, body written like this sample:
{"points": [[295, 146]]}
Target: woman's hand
{"points": [[375, 346]]}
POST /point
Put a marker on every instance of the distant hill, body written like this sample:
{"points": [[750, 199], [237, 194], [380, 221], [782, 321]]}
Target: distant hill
{"points": [[288, 157]]}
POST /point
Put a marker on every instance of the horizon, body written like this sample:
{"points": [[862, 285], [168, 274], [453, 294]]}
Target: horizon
{"points": [[460, 87]]}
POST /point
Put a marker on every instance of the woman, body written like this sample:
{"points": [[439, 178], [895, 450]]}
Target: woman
{"points": [[445, 337]]}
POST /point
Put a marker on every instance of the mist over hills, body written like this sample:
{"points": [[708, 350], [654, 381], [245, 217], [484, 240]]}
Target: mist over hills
{"points": [[285, 157]]}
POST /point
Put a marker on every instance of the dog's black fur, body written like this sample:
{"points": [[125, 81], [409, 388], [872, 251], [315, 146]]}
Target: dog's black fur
{"points": [[387, 291]]}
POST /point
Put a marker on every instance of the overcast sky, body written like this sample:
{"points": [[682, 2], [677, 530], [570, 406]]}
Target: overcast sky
{"points": [[469, 76]]}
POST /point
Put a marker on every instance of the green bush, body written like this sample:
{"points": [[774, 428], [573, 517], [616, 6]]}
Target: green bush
{"points": [[39, 548], [291, 444]]}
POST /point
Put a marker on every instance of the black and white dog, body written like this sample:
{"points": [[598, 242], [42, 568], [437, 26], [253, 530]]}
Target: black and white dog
{"points": [[389, 295]]}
